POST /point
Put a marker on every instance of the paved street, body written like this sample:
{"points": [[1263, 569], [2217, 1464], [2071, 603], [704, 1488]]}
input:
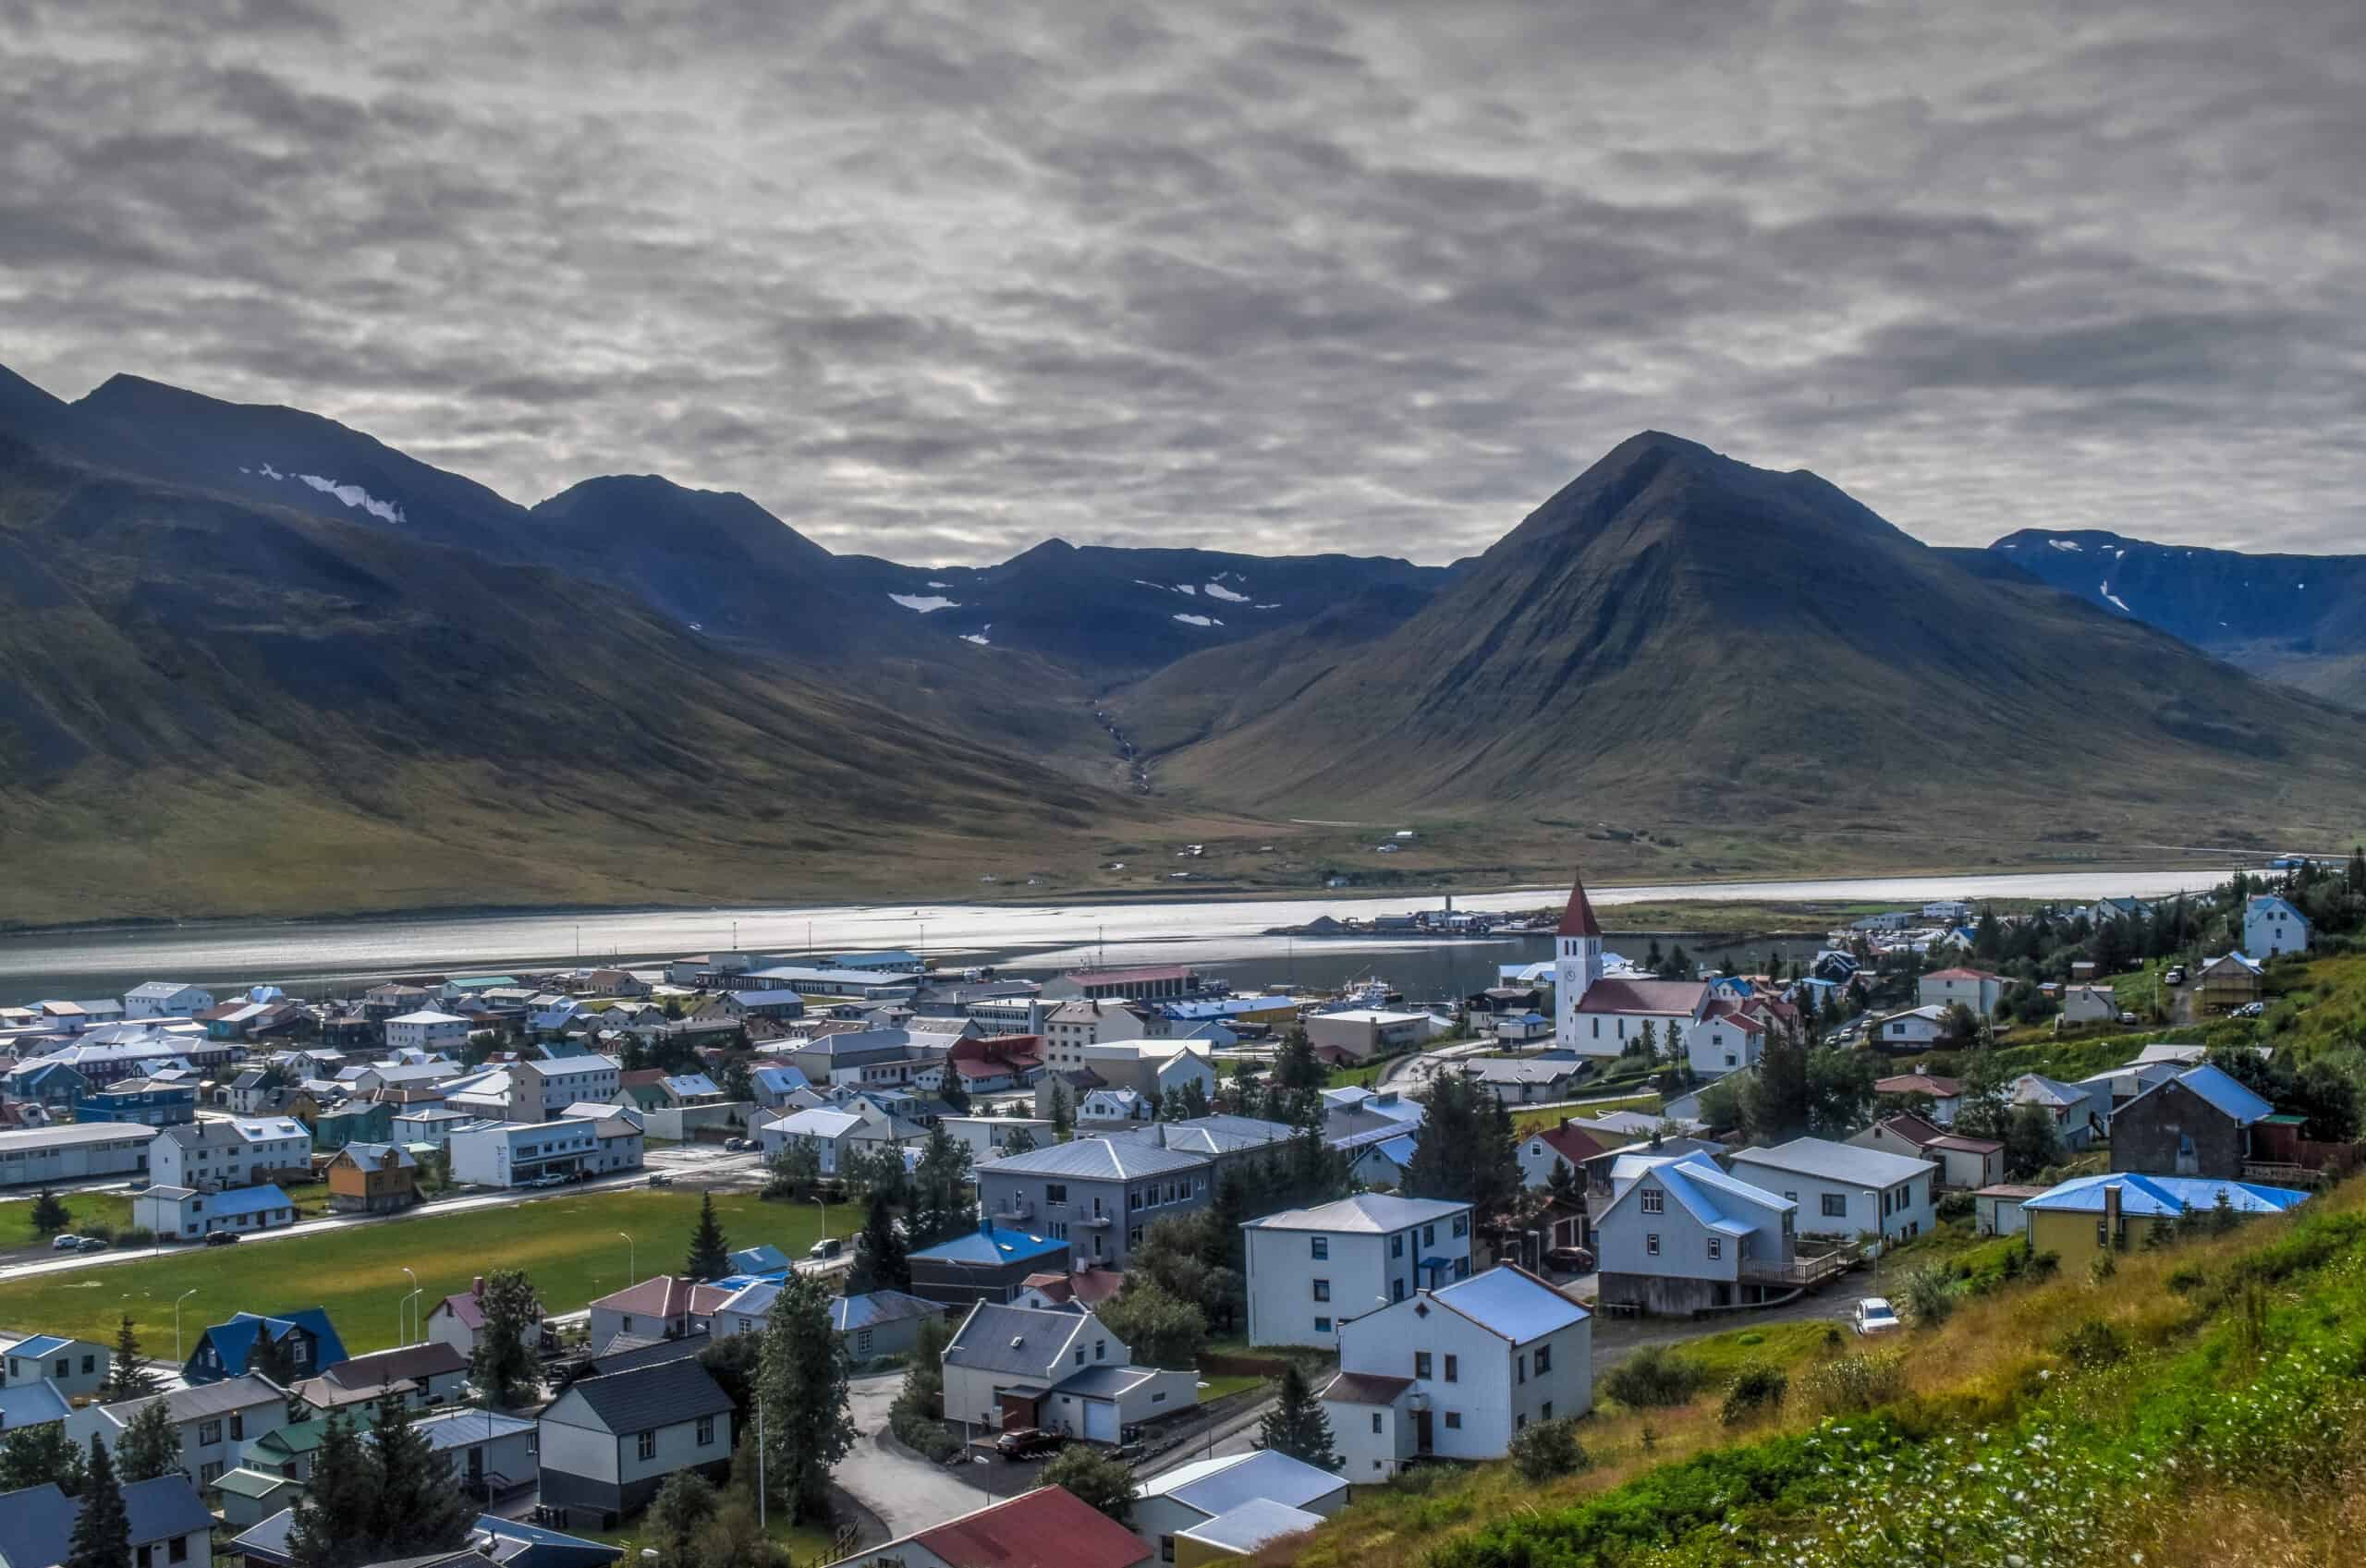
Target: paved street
{"points": [[908, 1494]]}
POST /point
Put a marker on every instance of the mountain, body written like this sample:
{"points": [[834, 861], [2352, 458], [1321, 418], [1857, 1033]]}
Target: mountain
{"points": [[213, 705], [1680, 642], [1115, 612], [2299, 619]]}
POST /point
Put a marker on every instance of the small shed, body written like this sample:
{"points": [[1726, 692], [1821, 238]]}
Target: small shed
{"points": [[1998, 1209]]}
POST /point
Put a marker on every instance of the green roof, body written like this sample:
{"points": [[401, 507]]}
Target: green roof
{"points": [[2287, 1119], [256, 1484], [300, 1437]]}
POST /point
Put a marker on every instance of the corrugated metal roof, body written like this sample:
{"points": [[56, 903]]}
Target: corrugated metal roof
{"points": [[1023, 1341], [1108, 1159], [663, 1395], [1044, 1527], [1367, 1212], [1218, 1486], [990, 1245], [1833, 1161], [1516, 1304], [1252, 1526], [2225, 1093], [2168, 1196]]}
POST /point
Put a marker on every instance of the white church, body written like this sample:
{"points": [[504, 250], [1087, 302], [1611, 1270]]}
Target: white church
{"points": [[1595, 1015]]}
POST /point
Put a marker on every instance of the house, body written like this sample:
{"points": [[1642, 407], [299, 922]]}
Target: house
{"points": [[1069, 1027], [1679, 1235], [2272, 926], [1997, 1209], [32, 1404], [215, 1422], [762, 1259], [305, 1338], [1150, 983], [989, 1264], [2086, 1214], [508, 1542], [833, 1132], [1105, 1107], [1595, 1013], [2081, 1111], [1945, 1095], [166, 999], [1846, 1191], [245, 1497], [778, 1087], [1566, 1144], [74, 1367], [2197, 1124], [456, 1320], [1975, 989], [1358, 1034], [232, 1152], [1080, 1291], [492, 1454], [154, 1102], [1905, 1031], [992, 1064], [1011, 1367], [49, 1081], [168, 1524], [372, 1178], [609, 1442], [1524, 1080], [2089, 1004], [1728, 1038], [1096, 1194], [2229, 981], [422, 1375], [880, 1323], [537, 1091], [185, 1214], [508, 1154], [428, 1030], [986, 1137], [1188, 1497], [1310, 1270], [664, 1307], [1044, 1527], [1966, 1164], [1457, 1372]]}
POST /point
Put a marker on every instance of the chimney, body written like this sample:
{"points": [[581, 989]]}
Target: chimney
{"points": [[2111, 1215], [477, 1287]]}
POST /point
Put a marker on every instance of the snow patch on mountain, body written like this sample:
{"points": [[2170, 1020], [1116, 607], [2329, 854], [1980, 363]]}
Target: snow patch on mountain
{"points": [[354, 495], [2115, 598], [978, 637], [924, 602], [1198, 621], [1218, 590], [2066, 544]]}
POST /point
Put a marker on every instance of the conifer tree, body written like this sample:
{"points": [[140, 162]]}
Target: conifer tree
{"points": [[127, 1375], [102, 1536], [504, 1365], [418, 1507], [330, 1529], [150, 1446], [709, 1251], [802, 1388], [880, 1259], [49, 1215], [1297, 1426]]}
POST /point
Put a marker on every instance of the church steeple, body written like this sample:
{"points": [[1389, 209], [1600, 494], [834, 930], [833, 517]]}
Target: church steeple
{"points": [[1578, 919], [1577, 962]]}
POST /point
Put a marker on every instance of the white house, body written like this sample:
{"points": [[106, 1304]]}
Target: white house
{"points": [[1945, 1094], [609, 1442], [986, 1136], [1310, 1270], [1724, 1042], [74, 1367], [185, 1214], [2089, 1004], [833, 1132], [1012, 1367], [1188, 1496], [166, 999], [215, 1421], [1457, 1372], [504, 1154], [1916, 1026], [1070, 1026], [1680, 1234], [1596, 1014], [1976, 989], [427, 1030], [230, 1152], [2081, 1111], [2272, 926], [1845, 1191]]}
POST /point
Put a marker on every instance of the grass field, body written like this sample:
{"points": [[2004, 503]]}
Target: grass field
{"points": [[112, 1209], [1221, 1384], [1527, 1122], [570, 1246]]}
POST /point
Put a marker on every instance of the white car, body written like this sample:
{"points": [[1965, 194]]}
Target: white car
{"points": [[1874, 1316]]}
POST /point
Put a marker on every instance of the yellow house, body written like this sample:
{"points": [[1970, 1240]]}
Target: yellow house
{"points": [[2080, 1218], [1240, 1532]]}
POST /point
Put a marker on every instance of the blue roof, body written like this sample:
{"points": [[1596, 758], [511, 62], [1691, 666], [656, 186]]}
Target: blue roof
{"points": [[2272, 902], [30, 1405], [235, 1341], [2224, 1092], [1399, 1149], [850, 1312], [2169, 1196], [1518, 1306], [991, 1244], [764, 1259], [267, 1542], [37, 1522], [537, 1547], [248, 1200], [41, 1345]]}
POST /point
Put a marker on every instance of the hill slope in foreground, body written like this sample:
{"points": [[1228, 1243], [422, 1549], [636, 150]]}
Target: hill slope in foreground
{"points": [[1676, 640]]}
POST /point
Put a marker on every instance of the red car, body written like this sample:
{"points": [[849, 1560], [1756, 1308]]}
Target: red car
{"points": [[1569, 1260], [1026, 1442]]}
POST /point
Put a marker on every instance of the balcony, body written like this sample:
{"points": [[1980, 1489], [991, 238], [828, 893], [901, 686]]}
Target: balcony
{"points": [[1094, 1220], [1801, 1273], [1015, 1210]]}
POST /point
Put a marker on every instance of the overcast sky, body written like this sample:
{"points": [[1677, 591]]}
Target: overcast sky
{"points": [[935, 282]]}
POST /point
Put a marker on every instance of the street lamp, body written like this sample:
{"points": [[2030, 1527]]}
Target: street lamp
{"points": [[823, 1200], [632, 1269], [400, 1335], [1880, 1236], [176, 1320]]}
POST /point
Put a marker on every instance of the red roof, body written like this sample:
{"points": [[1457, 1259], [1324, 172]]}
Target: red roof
{"points": [[1578, 919], [666, 1296], [1089, 1286], [1573, 1144], [1040, 1529], [1919, 1082], [1960, 975], [1642, 996]]}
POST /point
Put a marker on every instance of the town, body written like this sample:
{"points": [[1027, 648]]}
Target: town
{"points": [[1120, 1259]]}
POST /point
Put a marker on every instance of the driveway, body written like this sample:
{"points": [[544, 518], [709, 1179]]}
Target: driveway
{"points": [[911, 1494]]}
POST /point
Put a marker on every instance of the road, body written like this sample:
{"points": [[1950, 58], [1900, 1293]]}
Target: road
{"points": [[908, 1494]]}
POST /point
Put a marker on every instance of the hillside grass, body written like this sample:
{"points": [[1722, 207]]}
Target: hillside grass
{"points": [[2202, 1405], [1527, 1122], [569, 1246]]}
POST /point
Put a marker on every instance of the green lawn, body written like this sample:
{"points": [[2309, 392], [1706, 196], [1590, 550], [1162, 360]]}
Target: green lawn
{"points": [[112, 1209], [1221, 1384], [569, 1245], [1768, 1344], [1527, 1122]]}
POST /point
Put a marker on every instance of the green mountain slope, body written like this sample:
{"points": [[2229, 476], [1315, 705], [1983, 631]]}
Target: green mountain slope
{"points": [[1678, 639]]}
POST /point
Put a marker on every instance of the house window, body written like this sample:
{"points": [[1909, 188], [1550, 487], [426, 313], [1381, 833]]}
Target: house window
{"points": [[1079, 1355], [1544, 1413], [177, 1550], [1375, 1423], [1835, 1204], [238, 1426], [1322, 1325], [1716, 1246], [209, 1473], [1322, 1290], [1654, 1201], [1397, 1246], [1652, 1245], [1543, 1360], [705, 1433], [1421, 1364], [1101, 1350], [1133, 1200], [863, 1341], [89, 1365], [1462, 1224], [1166, 1548], [145, 1556], [647, 1445], [1454, 1420], [1056, 1192], [209, 1433], [623, 1324], [1429, 1235], [1522, 1365], [1319, 1248], [1452, 1370]]}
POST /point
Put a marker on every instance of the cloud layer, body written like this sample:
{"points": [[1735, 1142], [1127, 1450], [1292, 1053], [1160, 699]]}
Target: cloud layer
{"points": [[936, 280]]}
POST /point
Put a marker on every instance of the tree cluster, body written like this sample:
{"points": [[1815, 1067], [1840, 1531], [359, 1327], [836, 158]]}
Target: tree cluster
{"points": [[378, 1495], [1468, 1149]]}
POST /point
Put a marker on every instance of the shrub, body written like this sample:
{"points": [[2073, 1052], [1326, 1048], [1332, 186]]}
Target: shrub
{"points": [[1832, 1340], [1654, 1375], [2095, 1343], [100, 1229], [1956, 1206], [923, 1436], [1753, 1337], [1754, 1389], [2101, 1267], [2044, 1265], [2187, 1279], [135, 1236], [1546, 1449], [1852, 1385], [1927, 1301]]}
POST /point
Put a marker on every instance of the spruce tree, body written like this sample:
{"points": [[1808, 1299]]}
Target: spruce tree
{"points": [[880, 1260], [333, 1512], [710, 1252], [102, 1536], [1296, 1065], [802, 1388], [49, 1215], [1063, 1108], [127, 1375], [150, 1446], [1020, 1140], [505, 1365], [419, 1506], [1297, 1426]]}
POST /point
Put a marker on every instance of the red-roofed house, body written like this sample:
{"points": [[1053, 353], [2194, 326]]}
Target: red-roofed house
{"points": [[1566, 1144], [1046, 1528], [1968, 1164], [1597, 1016], [665, 1308], [989, 1063], [1083, 1289], [455, 1320], [1945, 1094], [1976, 989]]}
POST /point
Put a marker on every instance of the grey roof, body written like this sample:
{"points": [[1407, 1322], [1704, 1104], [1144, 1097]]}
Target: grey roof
{"points": [[1108, 1159], [267, 1542], [1518, 1306], [1219, 1486], [663, 1395], [868, 1310], [1368, 1212], [242, 1393], [457, 1428], [1253, 1524], [1831, 1162], [165, 1507], [1105, 1381], [629, 1352], [1018, 1340]]}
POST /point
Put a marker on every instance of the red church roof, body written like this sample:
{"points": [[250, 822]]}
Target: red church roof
{"points": [[1578, 919]]}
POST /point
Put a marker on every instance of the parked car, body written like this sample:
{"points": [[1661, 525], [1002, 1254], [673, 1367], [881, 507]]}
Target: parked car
{"points": [[64, 1242], [1569, 1260], [737, 1146], [2128, 1017], [2249, 1010], [221, 1238], [91, 1244], [828, 1247], [1026, 1442], [2175, 976], [1875, 1315], [661, 1181]]}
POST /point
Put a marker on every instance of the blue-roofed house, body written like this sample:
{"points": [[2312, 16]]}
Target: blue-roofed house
{"points": [[168, 1523], [990, 1263], [1189, 1496], [763, 1259], [1679, 1234], [2197, 1123], [154, 1102], [1310, 1270], [2082, 1216], [881, 1322], [1385, 1164], [185, 1214], [306, 1339], [1457, 1372], [76, 1368], [34, 1402], [2272, 926]]}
